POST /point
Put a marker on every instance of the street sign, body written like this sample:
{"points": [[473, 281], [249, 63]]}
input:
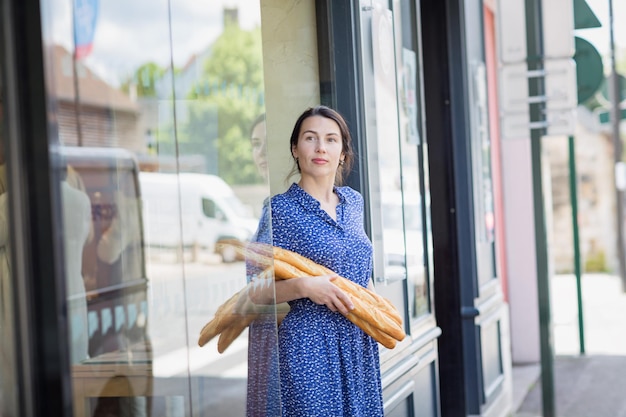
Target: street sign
{"points": [[560, 72], [560, 84], [604, 116], [584, 18], [558, 31], [513, 88], [515, 126], [558, 28], [511, 27], [560, 98], [561, 122], [589, 69]]}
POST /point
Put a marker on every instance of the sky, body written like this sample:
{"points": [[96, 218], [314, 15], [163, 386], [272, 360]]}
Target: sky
{"points": [[132, 32]]}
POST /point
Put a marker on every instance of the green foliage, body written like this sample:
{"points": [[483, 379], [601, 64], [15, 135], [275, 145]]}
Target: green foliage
{"points": [[227, 98], [236, 58], [215, 120], [214, 129], [596, 262], [144, 79]]}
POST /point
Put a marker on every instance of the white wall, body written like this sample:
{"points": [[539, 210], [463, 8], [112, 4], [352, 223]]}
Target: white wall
{"points": [[290, 65], [520, 250]]}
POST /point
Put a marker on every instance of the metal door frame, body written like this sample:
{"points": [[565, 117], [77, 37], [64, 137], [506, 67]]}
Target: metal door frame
{"points": [[461, 305], [43, 380]]}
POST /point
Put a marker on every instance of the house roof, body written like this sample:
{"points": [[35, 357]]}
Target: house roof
{"points": [[92, 90]]}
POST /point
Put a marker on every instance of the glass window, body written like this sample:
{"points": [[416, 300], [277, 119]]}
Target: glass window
{"points": [[8, 358], [160, 109], [413, 149], [396, 154], [208, 207]]}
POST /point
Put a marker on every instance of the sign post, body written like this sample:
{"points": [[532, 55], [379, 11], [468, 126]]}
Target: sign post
{"points": [[589, 76], [536, 88]]}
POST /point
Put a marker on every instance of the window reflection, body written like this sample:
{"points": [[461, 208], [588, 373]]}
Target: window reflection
{"points": [[8, 359], [416, 208], [166, 169]]}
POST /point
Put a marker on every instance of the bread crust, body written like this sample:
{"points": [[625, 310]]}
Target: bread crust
{"points": [[374, 314], [305, 264], [231, 333], [224, 317], [368, 306]]}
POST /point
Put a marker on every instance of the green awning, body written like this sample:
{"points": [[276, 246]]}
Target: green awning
{"points": [[584, 18]]}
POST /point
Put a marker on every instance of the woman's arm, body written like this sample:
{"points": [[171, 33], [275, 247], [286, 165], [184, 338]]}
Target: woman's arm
{"points": [[318, 289]]}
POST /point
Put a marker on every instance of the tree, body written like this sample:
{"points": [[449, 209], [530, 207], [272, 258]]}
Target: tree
{"points": [[145, 78], [230, 90]]}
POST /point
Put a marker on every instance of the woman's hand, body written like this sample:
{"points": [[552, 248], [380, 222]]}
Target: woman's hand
{"points": [[322, 291]]}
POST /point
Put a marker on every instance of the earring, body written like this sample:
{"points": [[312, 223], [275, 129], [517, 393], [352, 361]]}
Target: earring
{"points": [[341, 162]]}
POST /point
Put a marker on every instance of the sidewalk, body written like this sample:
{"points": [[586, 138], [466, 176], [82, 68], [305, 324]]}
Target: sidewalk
{"points": [[590, 385]]}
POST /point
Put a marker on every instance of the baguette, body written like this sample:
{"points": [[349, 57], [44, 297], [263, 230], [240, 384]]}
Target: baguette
{"points": [[370, 298], [305, 264], [374, 314], [378, 335], [376, 318], [224, 317], [284, 270], [378, 312], [257, 254], [231, 333], [362, 310]]}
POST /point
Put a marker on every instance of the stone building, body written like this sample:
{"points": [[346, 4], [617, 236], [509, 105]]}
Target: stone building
{"points": [[596, 197]]}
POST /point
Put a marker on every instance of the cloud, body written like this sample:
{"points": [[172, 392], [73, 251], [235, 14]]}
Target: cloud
{"points": [[132, 32]]}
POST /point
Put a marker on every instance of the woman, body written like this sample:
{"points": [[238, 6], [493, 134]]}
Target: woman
{"points": [[327, 365], [263, 387], [258, 140]]}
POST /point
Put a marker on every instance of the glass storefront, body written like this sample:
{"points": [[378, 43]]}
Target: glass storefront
{"points": [[161, 137], [396, 153], [168, 131]]}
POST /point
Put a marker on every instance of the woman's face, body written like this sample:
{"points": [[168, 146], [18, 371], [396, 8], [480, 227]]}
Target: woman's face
{"points": [[259, 148], [319, 148]]}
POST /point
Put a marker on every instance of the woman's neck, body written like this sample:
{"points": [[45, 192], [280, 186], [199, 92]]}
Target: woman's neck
{"points": [[321, 190]]}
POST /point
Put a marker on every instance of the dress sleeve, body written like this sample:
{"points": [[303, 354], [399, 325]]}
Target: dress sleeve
{"points": [[263, 232], [262, 235]]}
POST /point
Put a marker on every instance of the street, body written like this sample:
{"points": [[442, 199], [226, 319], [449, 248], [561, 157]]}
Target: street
{"points": [[182, 298]]}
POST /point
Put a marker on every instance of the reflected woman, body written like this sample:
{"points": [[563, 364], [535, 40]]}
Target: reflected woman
{"points": [[76, 229], [258, 140], [263, 392]]}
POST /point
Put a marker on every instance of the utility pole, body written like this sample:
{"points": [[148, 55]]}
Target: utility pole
{"points": [[77, 102], [538, 124], [614, 96]]}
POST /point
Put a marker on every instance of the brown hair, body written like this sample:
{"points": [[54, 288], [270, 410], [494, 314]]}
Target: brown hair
{"points": [[346, 139]]}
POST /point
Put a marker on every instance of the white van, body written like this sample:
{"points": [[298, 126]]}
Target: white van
{"points": [[193, 210]]}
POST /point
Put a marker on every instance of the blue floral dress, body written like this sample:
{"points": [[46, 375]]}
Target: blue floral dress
{"points": [[327, 365], [263, 387]]}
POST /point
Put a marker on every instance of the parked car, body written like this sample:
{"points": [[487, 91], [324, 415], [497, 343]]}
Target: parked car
{"points": [[190, 209]]}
